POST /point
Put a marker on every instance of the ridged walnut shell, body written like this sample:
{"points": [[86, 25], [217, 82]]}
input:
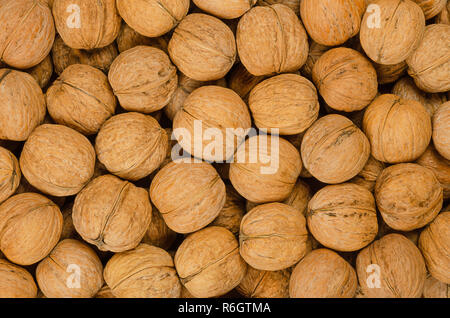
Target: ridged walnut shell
{"points": [[208, 262], [316, 50], [265, 284], [241, 81], [30, 226], [393, 262], [9, 174], [158, 233], [233, 211], [293, 4], [15, 281], [367, 177], [72, 270], [105, 292], [128, 38], [431, 8], [57, 160], [42, 72], [435, 289], [444, 15], [390, 73], [441, 130], [230, 9]]}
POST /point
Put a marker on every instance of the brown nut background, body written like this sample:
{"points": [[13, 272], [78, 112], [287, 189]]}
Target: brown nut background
{"points": [[441, 131], [265, 284], [225, 10], [367, 177], [431, 8], [9, 174], [15, 281]]}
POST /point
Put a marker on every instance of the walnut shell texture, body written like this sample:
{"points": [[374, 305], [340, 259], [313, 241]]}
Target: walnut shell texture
{"points": [[444, 15], [42, 72], [441, 130], [390, 73], [128, 38], [293, 4], [225, 10], [435, 289], [158, 233], [9, 174], [265, 284], [15, 281], [233, 211], [316, 50], [367, 177], [241, 81], [431, 8]]}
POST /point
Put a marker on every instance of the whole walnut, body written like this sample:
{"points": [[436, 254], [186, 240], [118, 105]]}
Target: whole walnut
{"points": [[399, 130], [293, 4], [441, 130], [30, 226], [22, 105], [287, 103], [158, 233], [27, 32], [323, 274], [81, 98], [408, 196], [271, 40], [430, 62], [390, 73], [9, 174], [57, 160], [273, 236], [265, 169], [72, 270], [225, 9], [128, 38], [143, 79], [131, 145], [233, 211], [203, 47], [367, 177], [112, 214], [208, 262], [265, 284], [153, 18], [42, 72], [86, 24], [431, 8], [332, 22], [192, 204], [15, 281], [346, 80], [435, 289], [316, 50], [434, 242], [391, 267], [215, 108], [334, 150]]}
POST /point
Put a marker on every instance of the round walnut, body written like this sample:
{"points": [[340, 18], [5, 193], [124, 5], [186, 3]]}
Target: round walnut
{"points": [[112, 214], [334, 150], [72, 270], [131, 145], [392, 31], [323, 274], [30, 226], [225, 9], [390, 73], [346, 80], [9, 174], [57, 160], [208, 262], [430, 63], [271, 39], [408, 196], [86, 24], [434, 242], [233, 211], [81, 98], [22, 105], [192, 204], [15, 281], [367, 177], [203, 47], [265, 284], [435, 289], [343, 217], [265, 169], [287, 103], [399, 130], [391, 267], [273, 236], [143, 79], [315, 52], [158, 233], [27, 32], [219, 109], [441, 130], [42, 72], [128, 38], [431, 8]]}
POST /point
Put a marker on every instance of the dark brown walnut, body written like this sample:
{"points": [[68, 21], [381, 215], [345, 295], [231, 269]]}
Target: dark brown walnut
{"points": [[131, 145], [323, 274], [158, 233], [367, 177], [390, 73], [271, 40], [15, 281], [444, 15], [293, 4], [190, 205], [87, 24], [435, 289], [203, 47], [296, 140], [105, 292], [441, 130], [225, 10], [334, 150], [265, 284], [128, 38], [81, 98], [30, 226], [42, 72], [431, 8], [399, 130], [143, 79], [316, 50], [9, 174], [395, 265], [241, 81], [345, 79], [233, 211], [68, 229], [72, 270], [57, 160], [22, 105], [208, 262]]}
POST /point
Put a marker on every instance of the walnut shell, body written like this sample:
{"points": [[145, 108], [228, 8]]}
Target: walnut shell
{"points": [[390, 73], [105, 292], [233, 211], [203, 47], [225, 9], [444, 15], [131, 145], [143, 79], [273, 236], [57, 160], [399, 130], [22, 105], [9, 174], [271, 40], [393, 262], [208, 262], [343, 217], [346, 80], [441, 130], [30, 226], [15, 281], [323, 274], [431, 8], [191, 205], [72, 270], [430, 63], [408, 196], [128, 38], [293, 4], [435, 289], [158, 233], [242, 82], [316, 50], [334, 150], [68, 229], [265, 284], [42, 72], [367, 177]]}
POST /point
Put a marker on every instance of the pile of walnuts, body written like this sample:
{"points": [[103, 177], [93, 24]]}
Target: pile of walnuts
{"points": [[93, 203]]}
